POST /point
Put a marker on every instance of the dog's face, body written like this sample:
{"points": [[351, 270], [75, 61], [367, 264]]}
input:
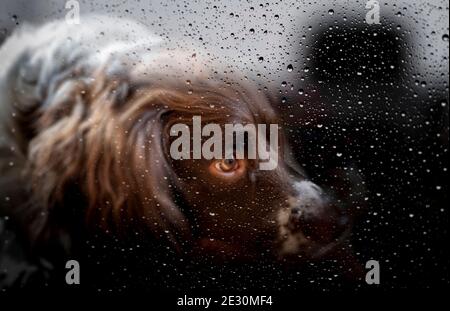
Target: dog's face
{"points": [[238, 211], [110, 146], [95, 135]]}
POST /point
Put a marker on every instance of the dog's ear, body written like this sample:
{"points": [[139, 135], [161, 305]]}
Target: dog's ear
{"points": [[108, 144], [47, 135]]}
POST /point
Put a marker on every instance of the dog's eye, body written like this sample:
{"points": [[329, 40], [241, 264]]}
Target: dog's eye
{"points": [[227, 165], [228, 169]]}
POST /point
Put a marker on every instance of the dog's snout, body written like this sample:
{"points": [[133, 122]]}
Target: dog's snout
{"points": [[315, 215], [324, 228]]}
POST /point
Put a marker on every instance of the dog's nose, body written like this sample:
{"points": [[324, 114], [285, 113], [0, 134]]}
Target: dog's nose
{"points": [[324, 227], [314, 214]]}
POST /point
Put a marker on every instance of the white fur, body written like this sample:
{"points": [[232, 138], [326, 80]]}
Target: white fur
{"points": [[310, 201]]}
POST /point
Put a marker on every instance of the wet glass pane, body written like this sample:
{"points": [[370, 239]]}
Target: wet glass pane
{"points": [[224, 146]]}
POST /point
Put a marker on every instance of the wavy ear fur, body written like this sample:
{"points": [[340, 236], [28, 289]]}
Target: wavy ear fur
{"points": [[105, 142]]}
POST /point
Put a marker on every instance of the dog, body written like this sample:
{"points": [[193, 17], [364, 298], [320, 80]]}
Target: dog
{"points": [[86, 116]]}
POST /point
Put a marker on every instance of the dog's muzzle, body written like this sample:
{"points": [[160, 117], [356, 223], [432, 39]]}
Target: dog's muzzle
{"points": [[311, 224]]}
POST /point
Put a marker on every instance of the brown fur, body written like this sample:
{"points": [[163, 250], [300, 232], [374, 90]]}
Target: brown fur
{"points": [[110, 139]]}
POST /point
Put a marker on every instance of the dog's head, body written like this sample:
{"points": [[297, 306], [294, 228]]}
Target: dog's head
{"points": [[106, 147], [97, 147]]}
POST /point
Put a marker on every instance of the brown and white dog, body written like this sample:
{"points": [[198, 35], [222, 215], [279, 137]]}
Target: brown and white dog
{"points": [[86, 111]]}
